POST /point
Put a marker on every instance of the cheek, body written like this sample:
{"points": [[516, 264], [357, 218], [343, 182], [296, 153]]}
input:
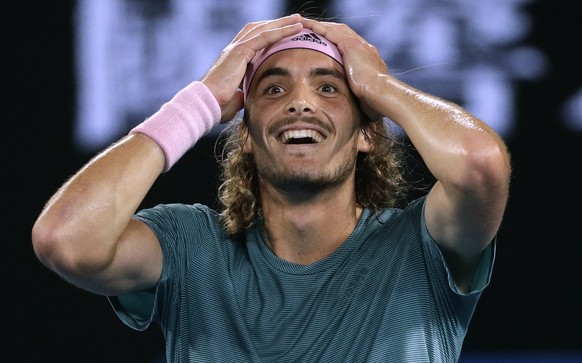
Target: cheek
{"points": [[260, 116], [254, 136]]}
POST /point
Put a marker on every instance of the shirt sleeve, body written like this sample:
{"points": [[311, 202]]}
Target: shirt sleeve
{"points": [[484, 271], [183, 231]]}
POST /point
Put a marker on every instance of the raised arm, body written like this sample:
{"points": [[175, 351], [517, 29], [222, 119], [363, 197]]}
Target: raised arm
{"points": [[86, 232], [469, 160]]}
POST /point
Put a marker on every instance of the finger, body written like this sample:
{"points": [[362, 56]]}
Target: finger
{"points": [[347, 40], [268, 37], [335, 32], [252, 29], [226, 74]]}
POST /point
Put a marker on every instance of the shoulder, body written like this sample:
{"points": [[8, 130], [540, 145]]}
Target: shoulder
{"points": [[176, 211], [180, 217], [399, 230], [412, 212]]}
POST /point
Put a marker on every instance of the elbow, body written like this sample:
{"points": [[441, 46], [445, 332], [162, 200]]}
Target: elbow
{"points": [[44, 241], [478, 179], [58, 249], [50, 246], [488, 169]]}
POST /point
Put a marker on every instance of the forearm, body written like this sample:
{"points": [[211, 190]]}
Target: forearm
{"points": [[469, 161], [82, 222], [458, 148], [81, 227]]}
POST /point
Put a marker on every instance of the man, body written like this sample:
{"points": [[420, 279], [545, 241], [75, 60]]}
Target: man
{"points": [[308, 262]]}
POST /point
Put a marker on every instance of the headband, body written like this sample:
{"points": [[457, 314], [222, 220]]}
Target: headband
{"points": [[306, 39]]}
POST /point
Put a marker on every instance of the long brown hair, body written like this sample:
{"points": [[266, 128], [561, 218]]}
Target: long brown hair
{"points": [[379, 179]]}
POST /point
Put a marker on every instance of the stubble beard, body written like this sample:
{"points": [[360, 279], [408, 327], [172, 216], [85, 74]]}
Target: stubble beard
{"points": [[307, 179]]}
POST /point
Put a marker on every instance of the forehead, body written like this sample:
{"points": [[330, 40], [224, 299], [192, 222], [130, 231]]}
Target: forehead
{"points": [[297, 61]]}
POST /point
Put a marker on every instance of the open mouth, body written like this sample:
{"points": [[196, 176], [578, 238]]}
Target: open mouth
{"points": [[295, 137]]}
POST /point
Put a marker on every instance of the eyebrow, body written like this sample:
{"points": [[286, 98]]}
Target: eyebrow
{"points": [[315, 72], [275, 71], [328, 72]]}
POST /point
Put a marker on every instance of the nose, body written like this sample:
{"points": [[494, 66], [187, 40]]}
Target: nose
{"points": [[301, 101]]}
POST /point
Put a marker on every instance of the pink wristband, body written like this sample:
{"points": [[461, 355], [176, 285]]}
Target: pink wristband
{"points": [[182, 121]]}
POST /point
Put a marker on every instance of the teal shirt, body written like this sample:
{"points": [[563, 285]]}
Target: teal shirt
{"points": [[386, 295]]}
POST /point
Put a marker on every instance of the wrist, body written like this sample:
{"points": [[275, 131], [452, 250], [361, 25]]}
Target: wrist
{"points": [[182, 121]]}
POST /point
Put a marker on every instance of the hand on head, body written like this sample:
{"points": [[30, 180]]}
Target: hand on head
{"points": [[362, 62], [225, 76]]}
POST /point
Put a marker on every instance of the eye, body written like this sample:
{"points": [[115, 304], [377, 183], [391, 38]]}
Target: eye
{"points": [[327, 88], [273, 89]]}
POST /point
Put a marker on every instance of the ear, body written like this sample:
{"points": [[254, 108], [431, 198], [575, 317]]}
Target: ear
{"points": [[364, 139]]}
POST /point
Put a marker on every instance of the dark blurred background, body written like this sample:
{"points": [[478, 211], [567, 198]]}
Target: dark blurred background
{"points": [[531, 309]]}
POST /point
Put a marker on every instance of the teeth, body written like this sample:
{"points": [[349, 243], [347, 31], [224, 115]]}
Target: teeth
{"points": [[301, 134]]}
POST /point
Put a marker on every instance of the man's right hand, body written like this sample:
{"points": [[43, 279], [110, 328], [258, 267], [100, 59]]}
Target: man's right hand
{"points": [[226, 74]]}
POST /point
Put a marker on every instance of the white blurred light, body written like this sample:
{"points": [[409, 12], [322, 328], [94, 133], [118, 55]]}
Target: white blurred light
{"points": [[132, 56], [467, 51], [573, 112]]}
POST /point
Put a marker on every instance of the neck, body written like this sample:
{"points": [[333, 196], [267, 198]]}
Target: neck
{"points": [[305, 229]]}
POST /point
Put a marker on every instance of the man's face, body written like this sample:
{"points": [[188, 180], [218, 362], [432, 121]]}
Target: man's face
{"points": [[304, 124]]}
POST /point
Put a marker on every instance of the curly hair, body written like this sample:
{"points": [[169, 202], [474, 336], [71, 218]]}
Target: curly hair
{"points": [[379, 179]]}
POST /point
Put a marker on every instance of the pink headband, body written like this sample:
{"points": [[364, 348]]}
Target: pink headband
{"points": [[306, 39]]}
